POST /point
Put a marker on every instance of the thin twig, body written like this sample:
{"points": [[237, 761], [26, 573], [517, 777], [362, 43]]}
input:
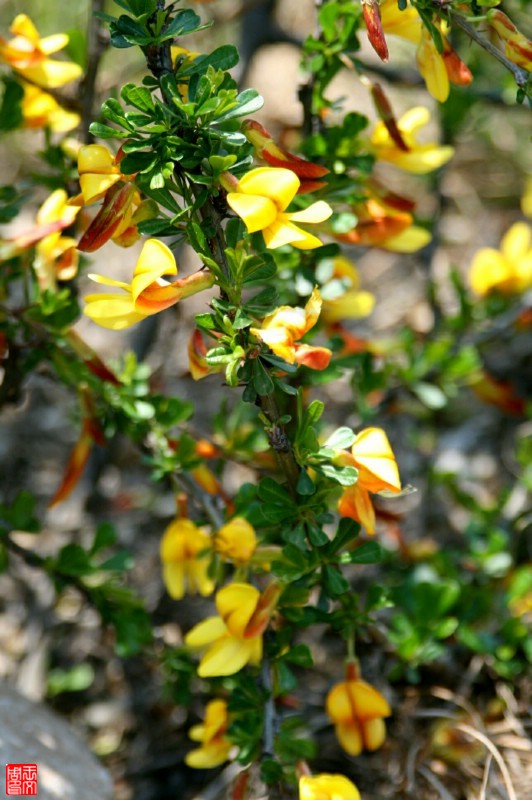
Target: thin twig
{"points": [[202, 498], [96, 43], [280, 442], [521, 76], [496, 755], [435, 783], [268, 735], [485, 777]]}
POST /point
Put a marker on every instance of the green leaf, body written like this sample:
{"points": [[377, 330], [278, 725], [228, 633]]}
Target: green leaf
{"points": [[313, 412], [20, 514], [333, 581], [11, 109], [270, 491], [126, 32], [305, 485], [345, 476], [113, 111], [258, 269], [366, 553], [300, 655], [341, 439], [317, 536], [430, 395], [223, 58], [102, 131], [76, 679], [73, 560], [184, 22], [262, 302], [138, 96], [347, 532], [105, 536], [286, 680], [262, 381], [119, 562], [247, 101]]}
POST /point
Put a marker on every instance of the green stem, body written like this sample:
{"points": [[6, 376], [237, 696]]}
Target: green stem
{"points": [[521, 76]]}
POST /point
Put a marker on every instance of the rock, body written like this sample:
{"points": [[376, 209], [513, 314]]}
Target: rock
{"points": [[30, 733]]}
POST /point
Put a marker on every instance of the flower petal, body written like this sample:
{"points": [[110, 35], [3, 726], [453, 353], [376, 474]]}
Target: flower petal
{"points": [[376, 462], [257, 212], [111, 311], [226, 657], [206, 632], [282, 232], [174, 579], [277, 183], [94, 185], [317, 212], [52, 74], [155, 260], [236, 604]]}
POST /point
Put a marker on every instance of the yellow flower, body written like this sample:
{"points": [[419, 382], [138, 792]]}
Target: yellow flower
{"points": [[282, 329], [432, 67], [417, 158], [236, 541], [327, 787], [343, 299], [215, 747], [185, 559], [233, 639], [147, 293], [261, 198], [436, 68], [357, 710], [56, 257], [98, 171], [28, 54], [373, 457], [508, 270], [40, 110], [406, 24]]}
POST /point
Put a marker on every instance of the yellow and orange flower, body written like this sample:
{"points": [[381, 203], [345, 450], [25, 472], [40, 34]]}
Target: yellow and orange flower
{"points": [[99, 170], [436, 68], [372, 455], [185, 558], [234, 638], [277, 156], [100, 178], [517, 47], [412, 156], [358, 711], [381, 225], [40, 109], [90, 435], [27, 53], [214, 745], [327, 787], [56, 256], [261, 197], [148, 293], [342, 297], [282, 330], [508, 270]]}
